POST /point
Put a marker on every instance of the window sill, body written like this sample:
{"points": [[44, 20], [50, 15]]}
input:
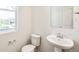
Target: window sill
{"points": [[7, 31]]}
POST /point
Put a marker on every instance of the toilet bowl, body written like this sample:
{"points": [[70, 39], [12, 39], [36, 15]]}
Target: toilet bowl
{"points": [[35, 42], [28, 48]]}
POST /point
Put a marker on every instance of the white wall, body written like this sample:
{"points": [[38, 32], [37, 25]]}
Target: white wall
{"points": [[21, 35], [41, 24]]}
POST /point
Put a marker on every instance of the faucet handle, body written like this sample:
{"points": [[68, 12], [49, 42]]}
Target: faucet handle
{"points": [[59, 35]]}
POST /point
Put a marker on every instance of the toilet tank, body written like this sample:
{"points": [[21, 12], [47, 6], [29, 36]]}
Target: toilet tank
{"points": [[35, 39]]}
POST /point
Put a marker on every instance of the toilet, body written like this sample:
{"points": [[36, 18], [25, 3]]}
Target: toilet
{"points": [[35, 42]]}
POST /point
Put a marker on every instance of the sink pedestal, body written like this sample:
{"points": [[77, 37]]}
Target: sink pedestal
{"points": [[57, 49]]}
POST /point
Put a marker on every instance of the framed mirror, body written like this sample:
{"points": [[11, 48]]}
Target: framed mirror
{"points": [[61, 16]]}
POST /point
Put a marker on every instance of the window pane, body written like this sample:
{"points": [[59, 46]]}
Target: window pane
{"points": [[7, 20]]}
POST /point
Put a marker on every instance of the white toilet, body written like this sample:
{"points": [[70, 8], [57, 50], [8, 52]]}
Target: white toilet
{"points": [[35, 42]]}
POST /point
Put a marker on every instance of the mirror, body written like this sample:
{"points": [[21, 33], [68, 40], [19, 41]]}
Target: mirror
{"points": [[62, 16]]}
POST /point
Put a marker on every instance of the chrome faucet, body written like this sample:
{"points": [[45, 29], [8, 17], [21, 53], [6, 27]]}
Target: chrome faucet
{"points": [[59, 35]]}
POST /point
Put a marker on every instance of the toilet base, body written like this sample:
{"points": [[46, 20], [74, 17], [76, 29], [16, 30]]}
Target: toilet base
{"points": [[57, 49]]}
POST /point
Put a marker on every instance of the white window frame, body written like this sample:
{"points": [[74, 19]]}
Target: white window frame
{"points": [[9, 30]]}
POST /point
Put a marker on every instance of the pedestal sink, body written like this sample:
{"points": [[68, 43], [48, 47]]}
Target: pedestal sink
{"points": [[60, 43]]}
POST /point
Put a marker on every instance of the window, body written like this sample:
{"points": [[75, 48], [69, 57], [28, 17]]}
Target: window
{"points": [[7, 18]]}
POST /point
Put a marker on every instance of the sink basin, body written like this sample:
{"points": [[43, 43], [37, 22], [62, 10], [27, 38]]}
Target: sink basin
{"points": [[62, 43]]}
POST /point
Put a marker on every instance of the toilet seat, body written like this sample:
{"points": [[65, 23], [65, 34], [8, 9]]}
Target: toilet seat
{"points": [[28, 48]]}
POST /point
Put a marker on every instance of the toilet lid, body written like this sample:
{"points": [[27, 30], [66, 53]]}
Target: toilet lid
{"points": [[28, 48]]}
